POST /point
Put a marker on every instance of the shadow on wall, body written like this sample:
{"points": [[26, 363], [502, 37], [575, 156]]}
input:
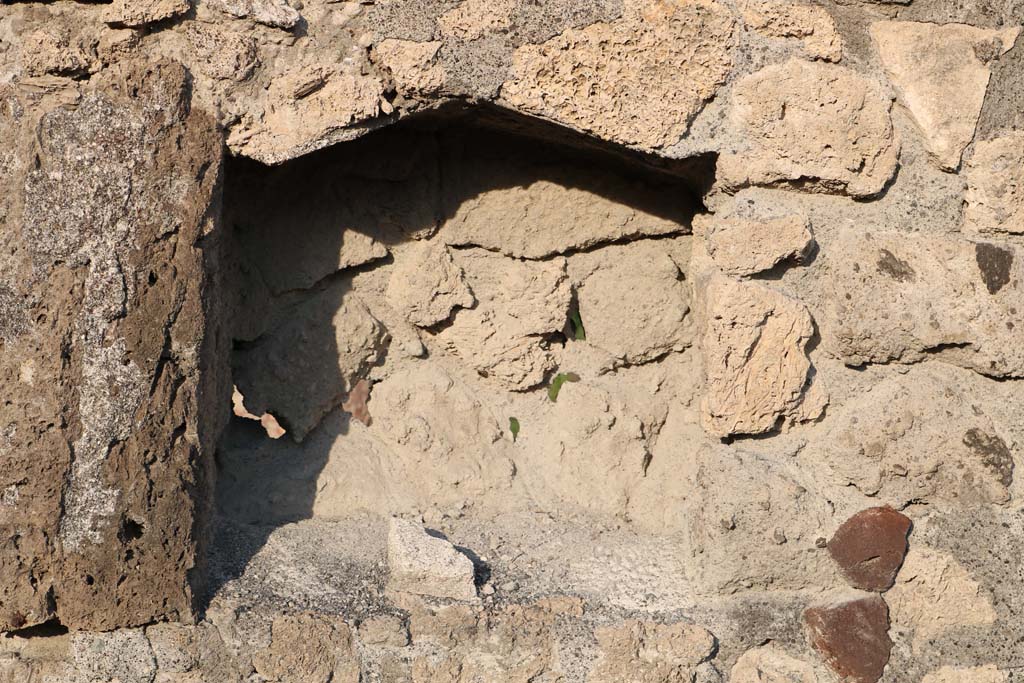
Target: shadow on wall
{"points": [[302, 232]]}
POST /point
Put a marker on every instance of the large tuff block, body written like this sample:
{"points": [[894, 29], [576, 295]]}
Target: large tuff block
{"points": [[104, 426]]}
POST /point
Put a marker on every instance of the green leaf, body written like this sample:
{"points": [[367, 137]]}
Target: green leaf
{"points": [[560, 379], [513, 426], [579, 333]]}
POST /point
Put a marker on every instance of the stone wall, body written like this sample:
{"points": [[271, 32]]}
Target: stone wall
{"points": [[511, 340]]}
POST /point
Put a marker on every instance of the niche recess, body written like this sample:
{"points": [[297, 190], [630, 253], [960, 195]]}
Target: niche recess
{"points": [[445, 264]]}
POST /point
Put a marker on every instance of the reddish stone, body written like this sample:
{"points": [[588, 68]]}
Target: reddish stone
{"points": [[852, 635], [869, 548]]}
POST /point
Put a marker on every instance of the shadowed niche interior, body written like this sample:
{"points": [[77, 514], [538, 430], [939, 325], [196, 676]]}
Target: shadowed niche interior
{"points": [[397, 299]]}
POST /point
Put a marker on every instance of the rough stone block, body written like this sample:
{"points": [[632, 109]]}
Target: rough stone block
{"points": [[424, 564]]}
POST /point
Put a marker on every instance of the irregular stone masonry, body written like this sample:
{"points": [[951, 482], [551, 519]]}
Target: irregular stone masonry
{"points": [[455, 340]]}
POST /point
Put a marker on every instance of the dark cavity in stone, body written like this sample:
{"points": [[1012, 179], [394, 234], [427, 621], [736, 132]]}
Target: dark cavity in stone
{"points": [[994, 263], [894, 267], [994, 454]]}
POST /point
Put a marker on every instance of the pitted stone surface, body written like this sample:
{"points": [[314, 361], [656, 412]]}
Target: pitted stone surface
{"points": [[648, 652], [758, 373], [813, 26], [307, 647], [427, 565], [935, 595], [135, 13], [771, 664], [995, 186], [796, 118], [639, 80], [745, 246], [894, 442], [988, 673], [103, 438], [960, 292]]}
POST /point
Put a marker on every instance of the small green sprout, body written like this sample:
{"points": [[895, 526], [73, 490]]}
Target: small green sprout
{"points": [[560, 379], [578, 331], [513, 426]]}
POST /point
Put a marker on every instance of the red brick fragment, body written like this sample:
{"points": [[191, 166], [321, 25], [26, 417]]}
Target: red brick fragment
{"points": [[852, 634], [870, 546]]}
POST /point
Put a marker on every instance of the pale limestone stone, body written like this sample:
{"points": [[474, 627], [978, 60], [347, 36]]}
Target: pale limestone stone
{"points": [[273, 13], [413, 65], [810, 24], [426, 285], [770, 664], [995, 186], [905, 297], [755, 355], [516, 643], [174, 646], [142, 12], [423, 564], [639, 80], [300, 83], [118, 43], [123, 655], [57, 50], [744, 246], [586, 450], [434, 443], [187, 677], [737, 500], [284, 261], [815, 126], [503, 204], [292, 127], [220, 54], [966, 674], [235, 8], [933, 594], [308, 647], [899, 444], [941, 73], [649, 652], [646, 319], [518, 302], [387, 630], [474, 19]]}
